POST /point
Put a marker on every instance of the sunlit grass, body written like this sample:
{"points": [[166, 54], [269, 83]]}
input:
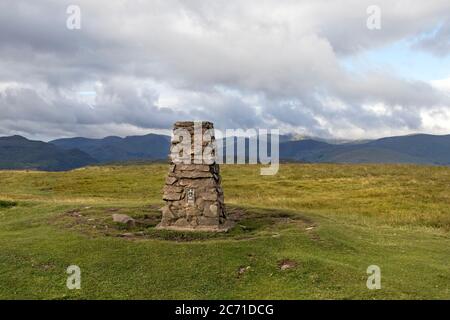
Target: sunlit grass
{"points": [[395, 216]]}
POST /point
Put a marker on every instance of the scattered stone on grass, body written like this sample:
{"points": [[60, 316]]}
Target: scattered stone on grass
{"points": [[124, 219], [98, 222], [126, 235]]}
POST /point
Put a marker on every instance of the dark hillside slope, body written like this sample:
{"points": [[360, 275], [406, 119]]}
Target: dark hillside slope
{"points": [[17, 152]]}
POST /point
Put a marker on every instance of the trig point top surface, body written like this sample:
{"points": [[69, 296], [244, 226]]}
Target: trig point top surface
{"points": [[188, 124]]}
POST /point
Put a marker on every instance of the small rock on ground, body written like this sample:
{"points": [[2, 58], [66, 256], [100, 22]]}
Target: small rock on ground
{"points": [[123, 218]]}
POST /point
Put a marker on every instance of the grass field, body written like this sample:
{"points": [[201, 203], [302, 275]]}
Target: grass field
{"points": [[330, 221]]}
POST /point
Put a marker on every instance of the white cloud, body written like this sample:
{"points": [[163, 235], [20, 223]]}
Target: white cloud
{"points": [[442, 84]]}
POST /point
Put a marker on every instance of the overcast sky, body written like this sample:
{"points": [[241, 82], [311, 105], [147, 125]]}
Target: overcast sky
{"points": [[311, 67]]}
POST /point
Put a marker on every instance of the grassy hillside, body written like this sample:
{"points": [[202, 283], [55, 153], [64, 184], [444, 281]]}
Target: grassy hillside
{"points": [[330, 221]]}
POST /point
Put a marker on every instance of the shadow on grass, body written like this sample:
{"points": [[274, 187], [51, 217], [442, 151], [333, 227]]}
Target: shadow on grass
{"points": [[5, 204]]}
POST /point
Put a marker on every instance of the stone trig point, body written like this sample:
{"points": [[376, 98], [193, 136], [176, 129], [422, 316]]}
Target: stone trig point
{"points": [[192, 192]]}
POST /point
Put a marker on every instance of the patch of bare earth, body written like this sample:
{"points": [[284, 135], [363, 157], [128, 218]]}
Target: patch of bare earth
{"points": [[242, 270], [249, 223], [287, 264]]}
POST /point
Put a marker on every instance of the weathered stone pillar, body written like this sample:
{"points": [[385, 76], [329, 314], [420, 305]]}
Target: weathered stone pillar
{"points": [[192, 192]]}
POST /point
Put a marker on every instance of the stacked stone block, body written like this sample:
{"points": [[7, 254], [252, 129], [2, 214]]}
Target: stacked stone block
{"points": [[192, 192]]}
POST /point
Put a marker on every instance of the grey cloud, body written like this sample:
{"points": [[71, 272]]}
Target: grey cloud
{"points": [[239, 64], [116, 106]]}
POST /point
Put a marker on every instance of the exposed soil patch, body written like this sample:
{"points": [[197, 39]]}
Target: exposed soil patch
{"points": [[242, 270], [311, 232], [249, 223], [45, 266], [287, 264]]}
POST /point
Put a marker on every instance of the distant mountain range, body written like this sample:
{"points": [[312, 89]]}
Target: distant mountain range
{"points": [[419, 149], [17, 152], [113, 149]]}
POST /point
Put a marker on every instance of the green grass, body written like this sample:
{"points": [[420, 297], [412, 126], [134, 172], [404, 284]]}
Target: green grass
{"points": [[332, 220]]}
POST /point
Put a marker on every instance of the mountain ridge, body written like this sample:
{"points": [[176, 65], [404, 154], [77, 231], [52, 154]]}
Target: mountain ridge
{"points": [[112, 148], [18, 152]]}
